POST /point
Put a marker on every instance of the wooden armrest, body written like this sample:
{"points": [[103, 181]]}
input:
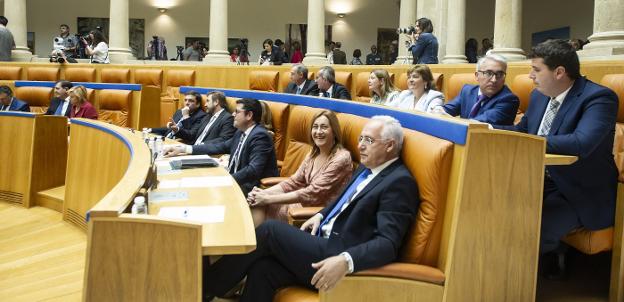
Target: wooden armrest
{"points": [[303, 213], [407, 271], [271, 181]]}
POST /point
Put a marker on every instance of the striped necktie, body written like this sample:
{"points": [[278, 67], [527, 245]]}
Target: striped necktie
{"points": [[549, 116], [233, 166]]}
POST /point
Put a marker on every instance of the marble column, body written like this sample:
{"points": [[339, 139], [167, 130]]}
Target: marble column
{"points": [[315, 54], [15, 12], [119, 32], [607, 41], [407, 17], [218, 52], [508, 30], [456, 32]]}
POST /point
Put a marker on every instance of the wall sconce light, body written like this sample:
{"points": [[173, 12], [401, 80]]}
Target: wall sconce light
{"points": [[162, 10], [342, 15]]}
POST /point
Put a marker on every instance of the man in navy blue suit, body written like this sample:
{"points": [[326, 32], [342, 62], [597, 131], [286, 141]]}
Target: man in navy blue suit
{"points": [[10, 103], [362, 229], [60, 105], [489, 102], [577, 117]]}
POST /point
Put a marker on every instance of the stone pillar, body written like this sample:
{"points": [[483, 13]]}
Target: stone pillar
{"points": [[119, 33], [607, 41], [407, 17], [315, 54], [436, 11], [15, 12], [218, 52], [456, 32], [508, 30]]}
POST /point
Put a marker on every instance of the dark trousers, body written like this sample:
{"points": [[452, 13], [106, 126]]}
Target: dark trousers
{"points": [[558, 217], [283, 257]]}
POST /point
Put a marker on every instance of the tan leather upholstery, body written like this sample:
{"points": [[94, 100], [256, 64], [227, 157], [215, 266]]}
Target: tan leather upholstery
{"points": [[10, 73], [456, 82], [362, 93], [344, 78], [264, 80], [295, 294], [295, 154], [38, 98], [111, 75], [148, 77], [401, 81], [43, 74], [407, 271], [81, 74], [180, 77], [280, 112], [522, 86], [114, 107], [592, 242]]}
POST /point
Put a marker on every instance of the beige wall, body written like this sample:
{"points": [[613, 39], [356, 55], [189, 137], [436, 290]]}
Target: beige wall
{"points": [[258, 20]]}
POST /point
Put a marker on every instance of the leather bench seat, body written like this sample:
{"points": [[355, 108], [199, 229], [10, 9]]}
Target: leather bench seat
{"points": [[456, 82], [12, 73], [81, 74], [37, 98], [43, 74], [115, 75], [263, 80], [114, 107]]}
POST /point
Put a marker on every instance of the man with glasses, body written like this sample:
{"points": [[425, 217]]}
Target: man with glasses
{"points": [[489, 102], [362, 229], [192, 113]]}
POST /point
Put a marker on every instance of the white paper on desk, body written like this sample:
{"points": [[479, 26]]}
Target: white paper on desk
{"points": [[169, 184], [156, 197], [206, 182], [206, 214]]}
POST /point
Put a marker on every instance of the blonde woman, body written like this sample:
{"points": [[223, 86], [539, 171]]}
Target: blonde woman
{"points": [[381, 88], [80, 106], [420, 94]]}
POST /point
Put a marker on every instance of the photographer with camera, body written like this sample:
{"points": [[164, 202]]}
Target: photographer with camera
{"points": [[424, 45], [65, 42], [58, 56], [98, 49]]}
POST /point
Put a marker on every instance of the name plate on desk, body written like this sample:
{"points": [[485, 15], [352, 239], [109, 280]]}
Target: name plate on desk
{"points": [[189, 163]]}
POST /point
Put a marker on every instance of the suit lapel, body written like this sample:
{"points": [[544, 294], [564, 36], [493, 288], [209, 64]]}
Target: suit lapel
{"points": [[472, 99], [541, 105], [373, 183], [568, 102]]}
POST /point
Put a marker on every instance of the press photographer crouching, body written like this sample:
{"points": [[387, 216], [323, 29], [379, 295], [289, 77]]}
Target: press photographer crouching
{"points": [[98, 49], [59, 56]]}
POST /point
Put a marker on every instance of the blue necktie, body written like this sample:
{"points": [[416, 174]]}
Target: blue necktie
{"points": [[59, 109], [477, 106], [346, 196]]}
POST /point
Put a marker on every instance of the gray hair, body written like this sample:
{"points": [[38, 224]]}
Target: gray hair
{"points": [[327, 73], [392, 130], [302, 69], [492, 57]]}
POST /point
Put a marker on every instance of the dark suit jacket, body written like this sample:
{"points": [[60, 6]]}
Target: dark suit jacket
{"points": [[221, 130], [340, 57], [257, 158], [18, 105], [425, 51], [338, 92], [372, 227], [54, 103], [584, 126], [501, 109], [309, 88], [194, 118]]}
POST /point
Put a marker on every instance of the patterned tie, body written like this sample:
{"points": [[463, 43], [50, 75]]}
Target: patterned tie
{"points": [[477, 106], [346, 196], [549, 116], [200, 139], [299, 90], [233, 166]]}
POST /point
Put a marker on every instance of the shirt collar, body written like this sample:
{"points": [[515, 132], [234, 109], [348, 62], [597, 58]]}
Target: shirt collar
{"points": [[302, 84], [378, 169], [563, 95], [249, 130], [216, 115], [329, 90]]}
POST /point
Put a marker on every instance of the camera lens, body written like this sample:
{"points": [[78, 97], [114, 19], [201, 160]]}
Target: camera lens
{"points": [[60, 60]]}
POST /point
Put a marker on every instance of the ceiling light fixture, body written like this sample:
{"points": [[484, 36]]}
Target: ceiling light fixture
{"points": [[162, 10], [342, 15]]}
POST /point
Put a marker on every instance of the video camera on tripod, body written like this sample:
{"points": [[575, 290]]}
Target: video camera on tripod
{"points": [[243, 56]]}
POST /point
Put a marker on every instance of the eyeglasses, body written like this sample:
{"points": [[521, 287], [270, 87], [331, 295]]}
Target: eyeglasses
{"points": [[488, 74], [237, 111], [369, 140]]}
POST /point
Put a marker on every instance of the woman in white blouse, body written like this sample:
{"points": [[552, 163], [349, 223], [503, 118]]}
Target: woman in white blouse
{"points": [[420, 94], [98, 50], [381, 88]]}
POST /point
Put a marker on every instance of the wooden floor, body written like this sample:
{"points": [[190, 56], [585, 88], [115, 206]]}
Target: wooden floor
{"points": [[42, 258]]}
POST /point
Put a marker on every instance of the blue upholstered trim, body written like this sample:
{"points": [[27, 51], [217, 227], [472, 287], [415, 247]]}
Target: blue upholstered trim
{"points": [[98, 86], [447, 130], [107, 130], [18, 113]]}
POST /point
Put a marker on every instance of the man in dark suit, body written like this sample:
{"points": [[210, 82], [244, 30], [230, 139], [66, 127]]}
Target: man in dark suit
{"points": [[328, 88], [577, 117], [60, 105], [362, 229], [10, 103], [489, 102], [340, 57], [192, 110], [217, 126], [299, 81], [252, 156]]}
